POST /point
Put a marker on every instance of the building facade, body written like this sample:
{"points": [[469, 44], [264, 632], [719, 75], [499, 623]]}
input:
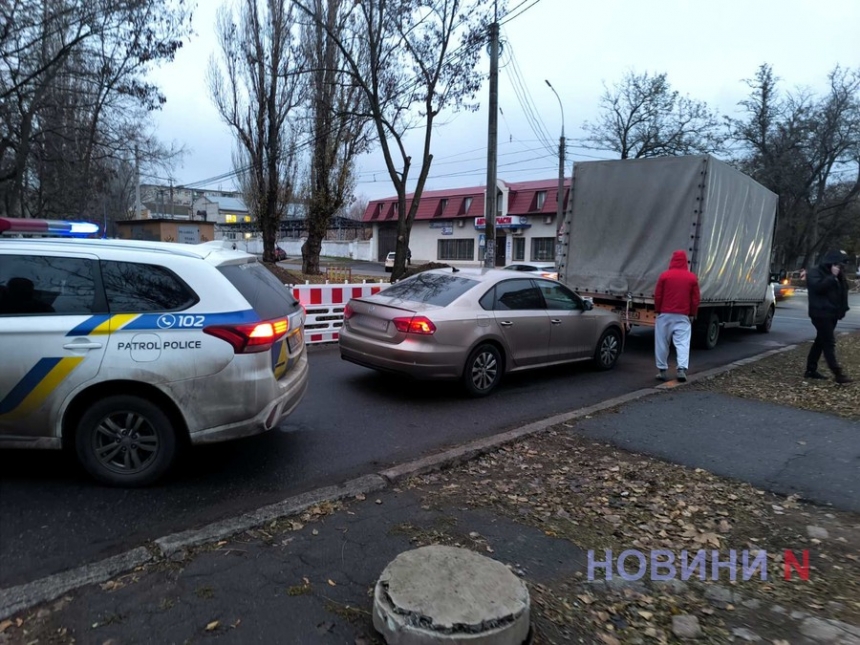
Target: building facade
{"points": [[450, 225], [166, 230]]}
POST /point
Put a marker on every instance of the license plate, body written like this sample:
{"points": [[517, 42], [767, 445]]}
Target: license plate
{"points": [[294, 341], [632, 315]]}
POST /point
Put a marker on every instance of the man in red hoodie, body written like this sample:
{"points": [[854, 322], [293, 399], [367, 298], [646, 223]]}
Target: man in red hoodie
{"points": [[676, 302]]}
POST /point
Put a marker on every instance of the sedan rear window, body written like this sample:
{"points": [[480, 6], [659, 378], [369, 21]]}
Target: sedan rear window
{"points": [[263, 291], [430, 288]]}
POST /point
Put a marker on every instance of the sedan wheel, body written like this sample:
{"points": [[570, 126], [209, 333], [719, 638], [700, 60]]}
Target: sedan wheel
{"points": [[608, 349], [125, 441], [483, 370]]}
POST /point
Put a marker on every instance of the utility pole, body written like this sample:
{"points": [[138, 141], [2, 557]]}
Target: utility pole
{"points": [[136, 183], [172, 211], [492, 142], [560, 206]]}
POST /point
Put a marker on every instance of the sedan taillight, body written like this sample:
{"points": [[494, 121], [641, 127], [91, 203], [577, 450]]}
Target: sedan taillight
{"points": [[415, 325]]}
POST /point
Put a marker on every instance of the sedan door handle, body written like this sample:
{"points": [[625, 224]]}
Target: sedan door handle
{"points": [[555, 321], [83, 345], [506, 323]]}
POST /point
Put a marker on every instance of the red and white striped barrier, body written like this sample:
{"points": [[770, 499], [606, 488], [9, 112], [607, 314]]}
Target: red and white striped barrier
{"points": [[324, 305]]}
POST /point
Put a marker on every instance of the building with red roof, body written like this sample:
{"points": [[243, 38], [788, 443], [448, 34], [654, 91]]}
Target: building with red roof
{"points": [[449, 224]]}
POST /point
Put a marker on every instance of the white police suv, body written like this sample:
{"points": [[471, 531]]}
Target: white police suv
{"points": [[126, 350]]}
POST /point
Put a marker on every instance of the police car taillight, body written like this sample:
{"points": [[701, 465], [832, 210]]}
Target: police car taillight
{"points": [[251, 338], [46, 227]]}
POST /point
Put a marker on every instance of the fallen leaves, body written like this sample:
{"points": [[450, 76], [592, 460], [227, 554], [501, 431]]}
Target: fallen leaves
{"points": [[211, 627], [599, 497]]}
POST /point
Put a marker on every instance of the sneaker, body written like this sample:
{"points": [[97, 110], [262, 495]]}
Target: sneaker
{"points": [[662, 376], [844, 379], [682, 375], [814, 374]]}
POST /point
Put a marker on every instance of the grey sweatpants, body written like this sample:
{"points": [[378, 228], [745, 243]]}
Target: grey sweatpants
{"points": [[672, 329]]}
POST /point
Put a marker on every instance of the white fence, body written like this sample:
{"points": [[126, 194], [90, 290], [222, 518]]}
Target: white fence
{"points": [[352, 249]]}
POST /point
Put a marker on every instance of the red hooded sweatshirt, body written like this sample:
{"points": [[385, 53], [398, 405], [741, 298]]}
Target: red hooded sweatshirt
{"points": [[677, 290]]}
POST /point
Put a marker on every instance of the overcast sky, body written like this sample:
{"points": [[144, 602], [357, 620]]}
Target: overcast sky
{"points": [[706, 48]]}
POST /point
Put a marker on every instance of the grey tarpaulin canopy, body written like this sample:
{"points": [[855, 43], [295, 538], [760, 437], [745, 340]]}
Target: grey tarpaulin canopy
{"points": [[628, 216]]}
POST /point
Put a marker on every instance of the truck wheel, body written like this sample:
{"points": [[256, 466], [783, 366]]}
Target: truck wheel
{"points": [[608, 350], [125, 441], [483, 370], [707, 333], [765, 326]]}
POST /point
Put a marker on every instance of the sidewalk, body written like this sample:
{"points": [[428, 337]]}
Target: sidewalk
{"points": [[539, 505]]}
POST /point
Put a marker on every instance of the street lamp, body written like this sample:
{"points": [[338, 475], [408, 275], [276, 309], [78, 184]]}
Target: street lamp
{"points": [[560, 199]]}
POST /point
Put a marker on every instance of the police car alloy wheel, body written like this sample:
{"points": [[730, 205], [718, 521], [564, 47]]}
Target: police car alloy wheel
{"points": [[125, 440]]}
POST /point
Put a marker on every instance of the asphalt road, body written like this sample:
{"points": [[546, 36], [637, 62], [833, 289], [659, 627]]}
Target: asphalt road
{"points": [[773, 447], [352, 422]]}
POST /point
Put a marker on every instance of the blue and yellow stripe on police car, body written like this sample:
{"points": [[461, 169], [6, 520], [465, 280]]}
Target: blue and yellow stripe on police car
{"points": [[103, 324], [282, 359], [32, 390]]}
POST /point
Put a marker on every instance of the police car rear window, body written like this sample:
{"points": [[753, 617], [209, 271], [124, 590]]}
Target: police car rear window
{"points": [[136, 287], [263, 291]]}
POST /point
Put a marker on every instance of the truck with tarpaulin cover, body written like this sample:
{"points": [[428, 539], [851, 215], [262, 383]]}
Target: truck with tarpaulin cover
{"points": [[625, 217]]}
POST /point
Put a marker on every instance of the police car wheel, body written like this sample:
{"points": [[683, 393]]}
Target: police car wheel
{"points": [[125, 441]]}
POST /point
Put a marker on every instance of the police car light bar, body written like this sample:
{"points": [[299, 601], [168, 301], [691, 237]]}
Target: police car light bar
{"points": [[46, 226]]}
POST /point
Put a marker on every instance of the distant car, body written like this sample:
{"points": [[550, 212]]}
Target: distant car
{"points": [[782, 289], [389, 262], [280, 254], [543, 269], [476, 326]]}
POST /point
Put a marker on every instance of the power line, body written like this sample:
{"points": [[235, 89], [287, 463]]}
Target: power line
{"points": [[473, 172], [512, 17], [524, 99], [449, 160]]}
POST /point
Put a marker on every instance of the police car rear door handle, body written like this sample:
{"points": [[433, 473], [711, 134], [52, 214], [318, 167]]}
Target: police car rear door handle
{"points": [[83, 345]]}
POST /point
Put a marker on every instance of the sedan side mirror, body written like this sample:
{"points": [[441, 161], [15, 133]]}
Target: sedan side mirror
{"points": [[589, 305]]}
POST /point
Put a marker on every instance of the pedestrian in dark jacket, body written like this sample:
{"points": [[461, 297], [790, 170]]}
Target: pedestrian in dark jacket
{"points": [[676, 303], [827, 291]]}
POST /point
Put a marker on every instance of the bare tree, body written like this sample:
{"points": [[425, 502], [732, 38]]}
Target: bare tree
{"points": [[642, 116], [255, 87], [806, 149], [338, 134], [72, 83], [411, 60]]}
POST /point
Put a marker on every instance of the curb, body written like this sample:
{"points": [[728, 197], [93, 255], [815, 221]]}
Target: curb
{"points": [[172, 544], [23, 597], [15, 599]]}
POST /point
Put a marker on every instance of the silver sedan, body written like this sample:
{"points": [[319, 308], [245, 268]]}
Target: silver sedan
{"points": [[476, 326]]}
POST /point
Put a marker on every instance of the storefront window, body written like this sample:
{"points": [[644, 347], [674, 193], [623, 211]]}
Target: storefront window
{"points": [[462, 250], [519, 249], [543, 249]]}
